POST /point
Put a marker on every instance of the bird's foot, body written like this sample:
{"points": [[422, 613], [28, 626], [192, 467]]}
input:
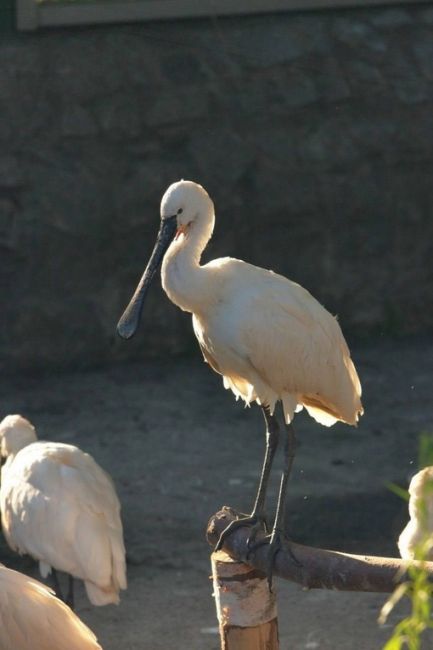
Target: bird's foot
{"points": [[274, 542], [255, 522]]}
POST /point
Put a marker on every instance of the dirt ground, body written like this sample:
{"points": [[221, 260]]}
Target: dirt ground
{"points": [[179, 447]]}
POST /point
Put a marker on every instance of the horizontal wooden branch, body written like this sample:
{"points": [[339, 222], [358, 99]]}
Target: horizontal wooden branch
{"points": [[319, 569]]}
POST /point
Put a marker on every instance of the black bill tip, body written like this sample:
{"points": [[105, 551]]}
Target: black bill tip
{"points": [[125, 328]]}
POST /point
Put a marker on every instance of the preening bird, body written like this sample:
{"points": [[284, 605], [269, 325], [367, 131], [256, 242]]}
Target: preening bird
{"points": [[32, 618], [60, 507], [267, 336], [418, 533]]}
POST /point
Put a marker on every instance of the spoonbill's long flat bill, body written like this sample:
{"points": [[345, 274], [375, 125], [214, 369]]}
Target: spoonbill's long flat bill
{"points": [[267, 336]]}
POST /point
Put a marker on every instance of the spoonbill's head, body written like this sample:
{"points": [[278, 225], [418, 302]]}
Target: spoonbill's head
{"points": [[183, 205], [15, 433], [185, 202]]}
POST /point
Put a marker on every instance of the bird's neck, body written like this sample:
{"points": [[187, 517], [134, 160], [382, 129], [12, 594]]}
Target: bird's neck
{"points": [[183, 279], [14, 445]]}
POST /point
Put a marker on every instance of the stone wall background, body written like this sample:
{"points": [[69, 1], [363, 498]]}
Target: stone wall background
{"points": [[312, 132]]}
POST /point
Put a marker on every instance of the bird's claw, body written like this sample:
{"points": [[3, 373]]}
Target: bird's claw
{"points": [[256, 522], [274, 542], [260, 524]]}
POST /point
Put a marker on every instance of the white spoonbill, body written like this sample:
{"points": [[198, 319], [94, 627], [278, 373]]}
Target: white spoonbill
{"points": [[60, 507], [418, 534], [267, 336], [32, 618]]}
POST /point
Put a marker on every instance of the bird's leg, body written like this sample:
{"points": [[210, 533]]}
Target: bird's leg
{"points": [[70, 597], [289, 455], [274, 540], [272, 437], [56, 584], [257, 518]]}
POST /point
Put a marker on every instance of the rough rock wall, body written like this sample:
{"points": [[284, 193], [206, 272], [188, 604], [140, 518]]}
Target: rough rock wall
{"points": [[313, 133]]}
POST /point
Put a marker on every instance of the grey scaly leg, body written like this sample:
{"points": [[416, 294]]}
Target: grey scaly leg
{"points": [[274, 540], [257, 518]]}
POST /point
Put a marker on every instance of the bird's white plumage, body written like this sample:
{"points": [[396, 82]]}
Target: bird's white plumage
{"points": [[420, 526], [268, 337], [61, 508], [32, 618]]}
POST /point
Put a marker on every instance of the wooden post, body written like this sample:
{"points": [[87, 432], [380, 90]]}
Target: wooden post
{"points": [[246, 609]]}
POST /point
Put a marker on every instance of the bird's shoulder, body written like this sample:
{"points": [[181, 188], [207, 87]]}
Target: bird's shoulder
{"points": [[238, 269], [42, 458], [234, 276], [45, 449], [55, 467], [259, 313], [262, 291]]}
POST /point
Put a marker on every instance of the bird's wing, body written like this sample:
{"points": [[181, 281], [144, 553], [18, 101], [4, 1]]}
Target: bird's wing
{"points": [[297, 347], [286, 333], [32, 618], [62, 508], [25, 507], [98, 525]]}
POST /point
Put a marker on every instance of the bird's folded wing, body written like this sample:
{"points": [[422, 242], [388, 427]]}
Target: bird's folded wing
{"points": [[297, 347]]}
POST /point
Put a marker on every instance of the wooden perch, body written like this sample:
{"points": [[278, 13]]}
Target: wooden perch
{"points": [[319, 569], [246, 609]]}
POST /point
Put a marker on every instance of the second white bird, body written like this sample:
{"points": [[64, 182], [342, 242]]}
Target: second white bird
{"points": [[60, 507]]}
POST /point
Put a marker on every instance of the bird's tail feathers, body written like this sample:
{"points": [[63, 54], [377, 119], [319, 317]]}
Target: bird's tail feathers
{"points": [[101, 596], [110, 594], [118, 559]]}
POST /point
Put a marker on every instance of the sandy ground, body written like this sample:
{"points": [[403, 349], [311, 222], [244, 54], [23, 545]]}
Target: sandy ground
{"points": [[178, 447]]}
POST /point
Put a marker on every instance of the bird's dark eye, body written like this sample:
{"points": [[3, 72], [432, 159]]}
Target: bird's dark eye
{"points": [[180, 211]]}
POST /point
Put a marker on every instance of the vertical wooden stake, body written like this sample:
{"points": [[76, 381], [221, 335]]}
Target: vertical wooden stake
{"points": [[246, 609]]}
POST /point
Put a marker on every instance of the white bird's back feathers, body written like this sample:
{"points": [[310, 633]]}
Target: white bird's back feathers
{"points": [[32, 618]]}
